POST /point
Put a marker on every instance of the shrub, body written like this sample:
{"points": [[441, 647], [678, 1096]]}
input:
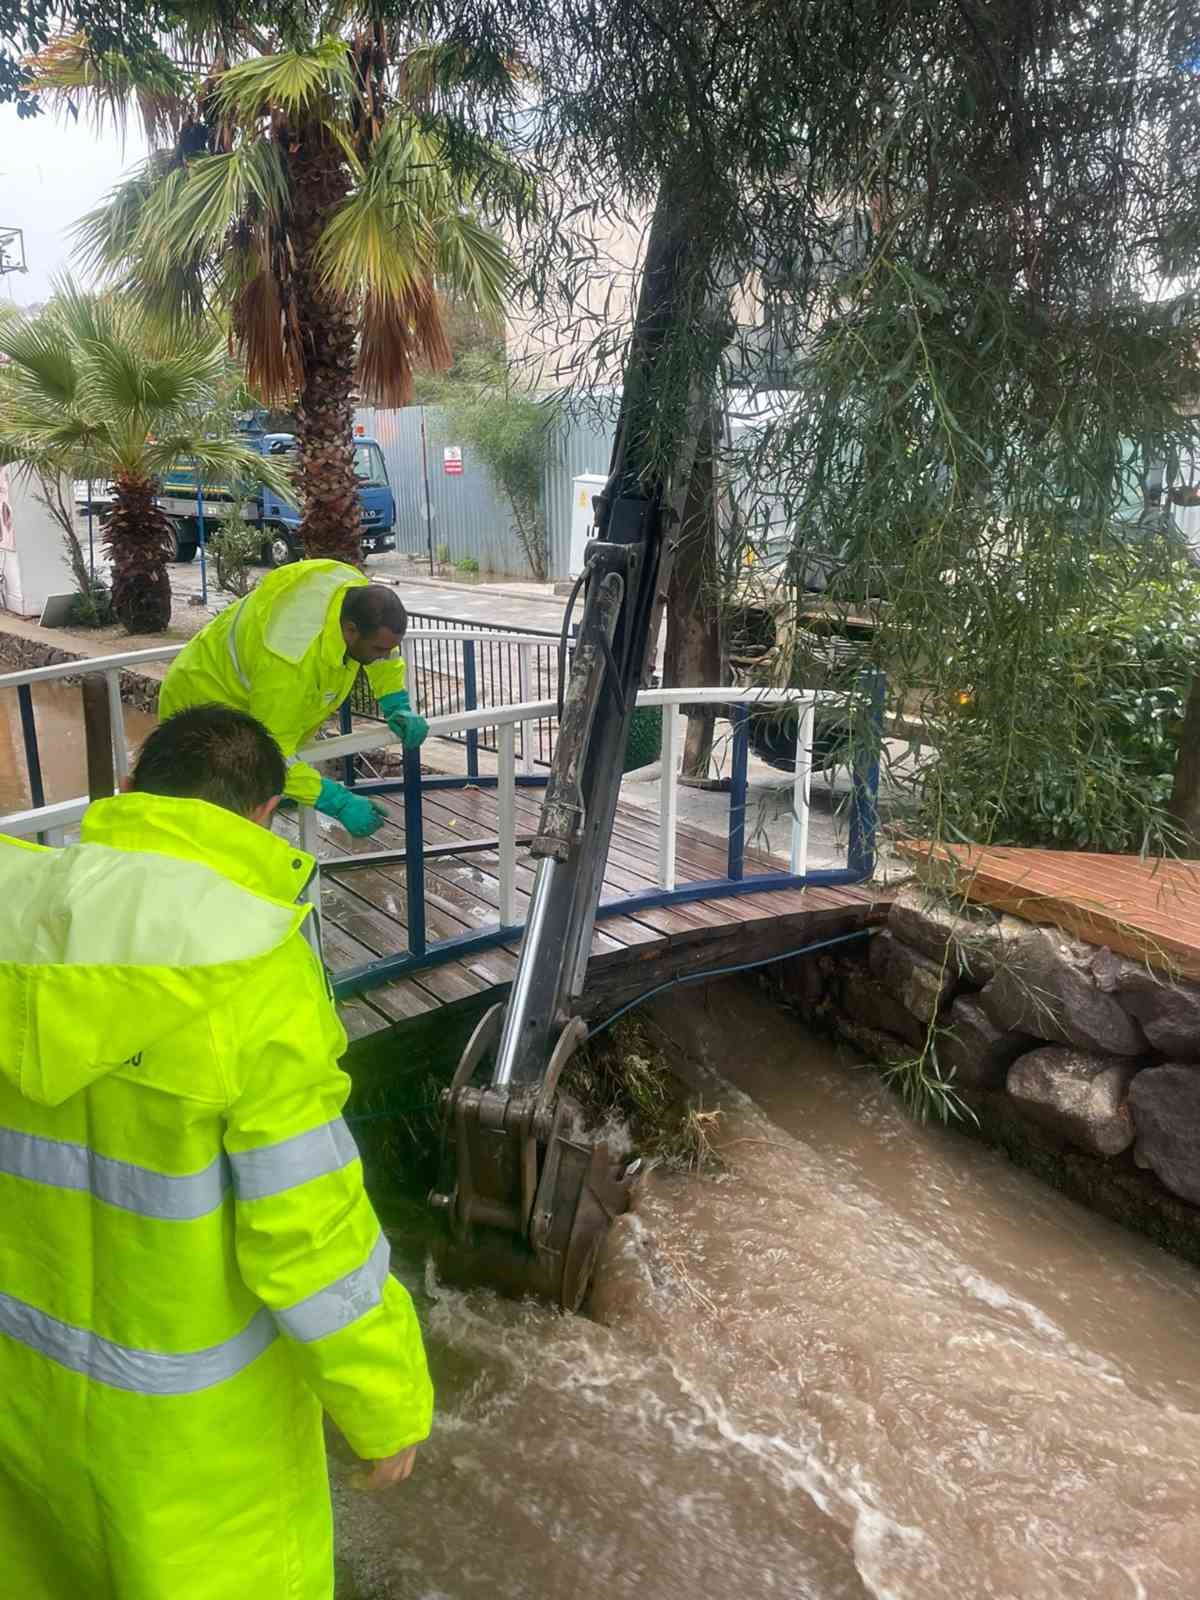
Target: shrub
{"points": [[468, 564], [510, 430], [236, 548], [1075, 750], [91, 608]]}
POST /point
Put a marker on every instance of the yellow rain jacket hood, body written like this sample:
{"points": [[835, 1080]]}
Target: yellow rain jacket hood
{"points": [[85, 931], [280, 655], [189, 1266]]}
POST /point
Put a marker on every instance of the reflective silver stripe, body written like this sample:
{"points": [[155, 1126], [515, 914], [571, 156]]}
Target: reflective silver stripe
{"points": [[124, 1367], [272, 1168], [340, 1303], [118, 1183], [231, 641]]}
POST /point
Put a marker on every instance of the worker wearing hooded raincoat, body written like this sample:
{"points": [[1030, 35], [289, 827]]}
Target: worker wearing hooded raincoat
{"points": [[289, 655], [190, 1269]]}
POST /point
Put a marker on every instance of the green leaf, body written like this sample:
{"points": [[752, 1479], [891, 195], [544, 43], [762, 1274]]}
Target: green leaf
{"points": [[294, 81]]}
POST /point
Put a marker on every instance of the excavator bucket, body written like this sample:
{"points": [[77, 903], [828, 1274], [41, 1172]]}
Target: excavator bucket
{"points": [[527, 1198]]}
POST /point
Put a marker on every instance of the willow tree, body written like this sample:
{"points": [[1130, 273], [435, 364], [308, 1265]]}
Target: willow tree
{"points": [[971, 234], [300, 190]]}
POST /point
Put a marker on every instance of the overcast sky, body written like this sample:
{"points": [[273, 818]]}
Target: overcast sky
{"points": [[50, 173]]}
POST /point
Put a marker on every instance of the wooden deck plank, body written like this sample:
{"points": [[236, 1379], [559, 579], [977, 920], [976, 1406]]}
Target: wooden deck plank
{"points": [[1147, 910], [364, 912]]}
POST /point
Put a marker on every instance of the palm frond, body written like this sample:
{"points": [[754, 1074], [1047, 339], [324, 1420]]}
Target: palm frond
{"points": [[218, 458], [105, 237], [472, 260], [69, 71], [192, 214], [393, 331], [443, 68], [261, 334], [42, 356], [381, 238], [372, 243], [288, 80]]}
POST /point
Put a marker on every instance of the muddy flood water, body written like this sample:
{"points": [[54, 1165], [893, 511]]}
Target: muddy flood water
{"points": [[59, 718], [870, 1359]]}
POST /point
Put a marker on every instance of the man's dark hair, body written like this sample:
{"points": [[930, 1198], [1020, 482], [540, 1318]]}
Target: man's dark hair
{"points": [[212, 753], [370, 607]]}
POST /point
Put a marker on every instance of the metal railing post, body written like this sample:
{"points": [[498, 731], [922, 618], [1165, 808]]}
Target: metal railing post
{"points": [[506, 798], [116, 710], [864, 780], [802, 787], [414, 852], [524, 657], [346, 725], [33, 762], [310, 833], [471, 703], [668, 798], [737, 791]]}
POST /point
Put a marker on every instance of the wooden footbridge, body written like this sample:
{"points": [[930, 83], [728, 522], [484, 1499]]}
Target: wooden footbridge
{"points": [[425, 918]]}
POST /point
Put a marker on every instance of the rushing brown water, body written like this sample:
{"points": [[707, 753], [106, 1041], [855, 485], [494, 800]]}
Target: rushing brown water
{"points": [[58, 714], [871, 1359]]}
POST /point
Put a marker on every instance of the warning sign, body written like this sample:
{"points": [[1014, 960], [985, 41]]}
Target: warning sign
{"points": [[452, 460]]}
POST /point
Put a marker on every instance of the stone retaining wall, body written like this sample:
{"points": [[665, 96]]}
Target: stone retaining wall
{"points": [[1087, 1058]]}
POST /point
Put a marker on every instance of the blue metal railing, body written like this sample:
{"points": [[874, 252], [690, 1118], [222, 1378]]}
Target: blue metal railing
{"points": [[450, 673], [422, 954]]}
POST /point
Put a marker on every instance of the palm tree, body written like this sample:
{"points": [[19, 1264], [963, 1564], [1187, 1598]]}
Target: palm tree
{"points": [[304, 192], [90, 389]]}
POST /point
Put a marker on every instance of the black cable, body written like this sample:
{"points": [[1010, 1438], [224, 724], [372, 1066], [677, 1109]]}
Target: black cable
{"points": [[723, 972], [613, 672], [565, 635], [685, 977]]}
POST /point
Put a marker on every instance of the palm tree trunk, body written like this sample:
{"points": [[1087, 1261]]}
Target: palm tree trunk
{"points": [[332, 522], [140, 539]]}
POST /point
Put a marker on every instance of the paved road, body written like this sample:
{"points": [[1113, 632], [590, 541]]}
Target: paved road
{"points": [[541, 611]]}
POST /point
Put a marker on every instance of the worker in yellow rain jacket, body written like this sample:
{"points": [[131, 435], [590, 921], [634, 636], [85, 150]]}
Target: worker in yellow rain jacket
{"points": [[189, 1267], [289, 654]]}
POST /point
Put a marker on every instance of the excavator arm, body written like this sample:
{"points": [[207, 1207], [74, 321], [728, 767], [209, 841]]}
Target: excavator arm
{"points": [[527, 1201]]}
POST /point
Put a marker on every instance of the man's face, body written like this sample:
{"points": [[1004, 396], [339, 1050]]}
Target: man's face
{"points": [[368, 647]]}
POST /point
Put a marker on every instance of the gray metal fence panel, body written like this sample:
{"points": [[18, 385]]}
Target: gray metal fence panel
{"points": [[467, 513]]}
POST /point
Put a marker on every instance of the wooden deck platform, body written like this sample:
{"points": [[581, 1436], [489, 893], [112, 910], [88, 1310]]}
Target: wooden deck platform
{"points": [[364, 910], [1147, 910]]}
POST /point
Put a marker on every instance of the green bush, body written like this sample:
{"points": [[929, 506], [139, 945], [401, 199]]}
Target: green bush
{"points": [[468, 564], [236, 548], [1075, 750], [91, 608], [443, 555]]}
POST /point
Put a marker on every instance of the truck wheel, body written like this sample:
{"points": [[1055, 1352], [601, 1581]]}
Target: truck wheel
{"points": [[280, 548], [185, 541]]}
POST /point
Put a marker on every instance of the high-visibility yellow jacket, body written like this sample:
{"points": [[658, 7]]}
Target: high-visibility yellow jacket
{"points": [[189, 1266], [279, 654]]}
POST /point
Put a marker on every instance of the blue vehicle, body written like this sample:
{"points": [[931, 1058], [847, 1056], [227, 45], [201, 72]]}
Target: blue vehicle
{"points": [[278, 519]]}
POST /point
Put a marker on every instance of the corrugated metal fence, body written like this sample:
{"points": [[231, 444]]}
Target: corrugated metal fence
{"points": [[464, 515]]}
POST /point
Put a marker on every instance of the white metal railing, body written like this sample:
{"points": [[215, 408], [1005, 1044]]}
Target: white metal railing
{"points": [[506, 718], [52, 820]]}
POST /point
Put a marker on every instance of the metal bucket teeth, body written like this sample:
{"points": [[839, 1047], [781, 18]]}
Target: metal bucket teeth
{"points": [[529, 1207]]}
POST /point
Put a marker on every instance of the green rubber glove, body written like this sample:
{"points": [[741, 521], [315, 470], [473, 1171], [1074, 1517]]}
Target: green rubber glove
{"points": [[359, 816], [410, 728]]}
